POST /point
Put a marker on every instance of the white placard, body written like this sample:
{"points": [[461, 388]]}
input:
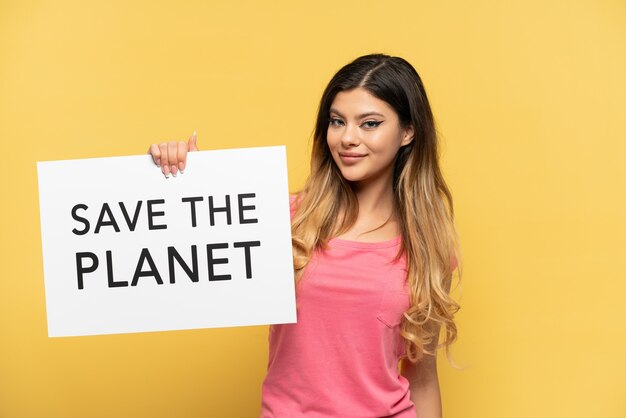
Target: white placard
{"points": [[127, 250]]}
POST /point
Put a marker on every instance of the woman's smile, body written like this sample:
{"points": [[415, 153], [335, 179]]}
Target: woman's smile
{"points": [[350, 158]]}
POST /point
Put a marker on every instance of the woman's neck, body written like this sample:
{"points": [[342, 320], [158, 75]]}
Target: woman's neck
{"points": [[376, 219], [374, 197]]}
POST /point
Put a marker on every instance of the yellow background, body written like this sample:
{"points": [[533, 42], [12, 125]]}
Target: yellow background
{"points": [[530, 100]]}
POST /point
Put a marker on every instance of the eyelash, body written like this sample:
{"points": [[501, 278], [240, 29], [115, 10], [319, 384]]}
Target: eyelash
{"points": [[332, 121]]}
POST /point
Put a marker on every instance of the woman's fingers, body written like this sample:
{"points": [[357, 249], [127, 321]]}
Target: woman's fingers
{"points": [[165, 164], [156, 153], [182, 156], [172, 156], [193, 145]]}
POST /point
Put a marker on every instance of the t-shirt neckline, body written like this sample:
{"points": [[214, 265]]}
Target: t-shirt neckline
{"points": [[366, 245]]}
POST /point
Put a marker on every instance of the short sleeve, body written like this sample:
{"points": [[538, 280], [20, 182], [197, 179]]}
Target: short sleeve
{"points": [[293, 204]]}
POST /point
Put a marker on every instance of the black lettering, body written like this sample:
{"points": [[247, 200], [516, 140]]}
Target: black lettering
{"points": [[211, 261], [173, 254], [193, 201], [80, 270], [151, 214], [106, 210], [145, 255], [131, 224], [242, 208], [246, 246], [112, 282], [80, 219], [213, 210]]}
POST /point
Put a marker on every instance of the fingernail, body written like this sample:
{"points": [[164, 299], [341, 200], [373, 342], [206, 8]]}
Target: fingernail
{"points": [[180, 167], [194, 136]]}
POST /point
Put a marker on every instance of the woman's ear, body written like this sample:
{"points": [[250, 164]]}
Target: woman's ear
{"points": [[408, 135]]}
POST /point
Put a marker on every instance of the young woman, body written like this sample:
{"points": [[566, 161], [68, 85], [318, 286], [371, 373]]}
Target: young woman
{"points": [[374, 246]]}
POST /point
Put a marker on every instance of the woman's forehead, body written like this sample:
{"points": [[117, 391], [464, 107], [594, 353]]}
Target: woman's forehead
{"points": [[359, 103]]}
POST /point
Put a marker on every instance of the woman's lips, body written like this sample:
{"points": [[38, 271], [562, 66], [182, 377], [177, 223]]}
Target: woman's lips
{"points": [[351, 157]]}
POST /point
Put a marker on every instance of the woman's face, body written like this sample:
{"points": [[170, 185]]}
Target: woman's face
{"points": [[364, 136]]}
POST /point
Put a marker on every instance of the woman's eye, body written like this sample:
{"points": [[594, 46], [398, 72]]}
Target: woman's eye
{"points": [[372, 123], [368, 124]]}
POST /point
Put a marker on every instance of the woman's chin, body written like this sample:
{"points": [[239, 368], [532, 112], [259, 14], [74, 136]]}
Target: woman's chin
{"points": [[351, 176]]}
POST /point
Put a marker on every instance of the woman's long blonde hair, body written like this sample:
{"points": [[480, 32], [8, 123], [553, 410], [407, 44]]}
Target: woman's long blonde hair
{"points": [[327, 206]]}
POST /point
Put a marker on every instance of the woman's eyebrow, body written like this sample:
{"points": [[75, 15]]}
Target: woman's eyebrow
{"points": [[359, 116]]}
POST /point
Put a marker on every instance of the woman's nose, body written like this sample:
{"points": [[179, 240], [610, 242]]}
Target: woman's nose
{"points": [[350, 137]]}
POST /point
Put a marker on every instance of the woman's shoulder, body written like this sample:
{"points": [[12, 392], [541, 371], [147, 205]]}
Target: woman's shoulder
{"points": [[294, 200], [454, 262]]}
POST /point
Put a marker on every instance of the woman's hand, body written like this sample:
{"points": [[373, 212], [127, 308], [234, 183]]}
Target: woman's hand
{"points": [[172, 156]]}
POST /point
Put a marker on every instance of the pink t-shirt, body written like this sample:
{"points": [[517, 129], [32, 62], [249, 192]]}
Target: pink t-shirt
{"points": [[340, 359]]}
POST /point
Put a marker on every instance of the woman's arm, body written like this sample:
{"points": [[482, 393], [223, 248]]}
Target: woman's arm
{"points": [[422, 376], [424, 384]]}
